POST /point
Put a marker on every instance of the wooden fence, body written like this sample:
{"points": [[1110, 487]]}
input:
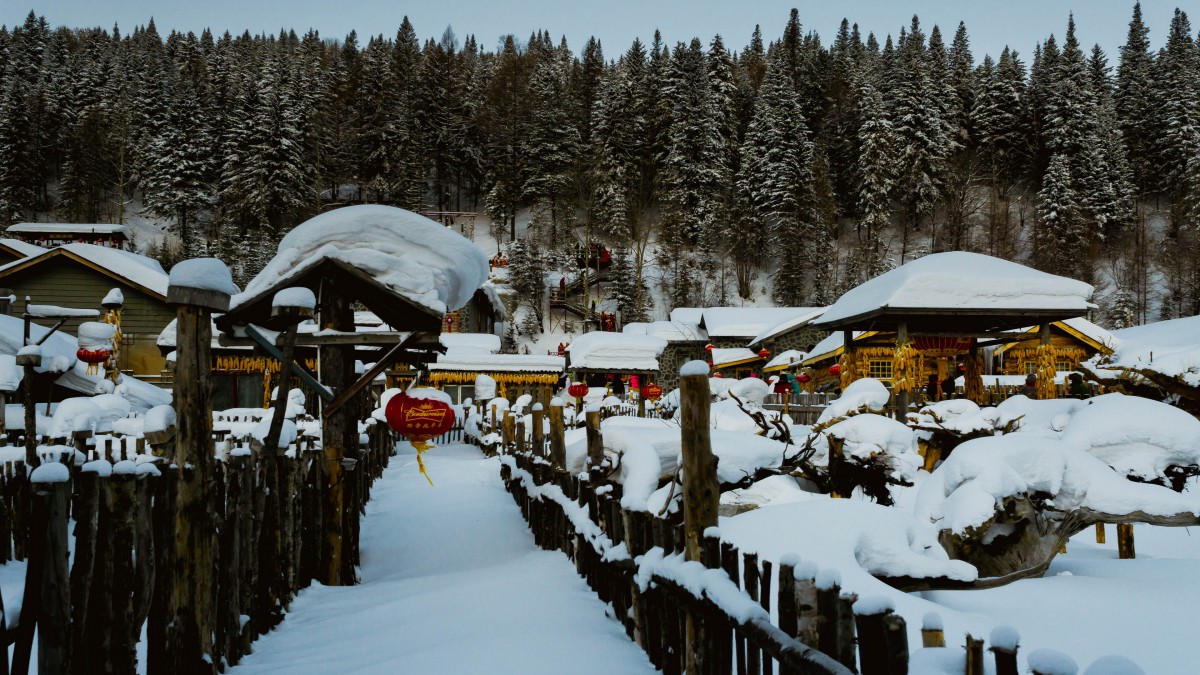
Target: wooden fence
{"points": [[711, 613], [90, 617]]}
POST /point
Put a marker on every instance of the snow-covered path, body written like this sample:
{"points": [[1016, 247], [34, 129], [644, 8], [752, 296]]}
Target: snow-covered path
{"points": [[451, 582]]}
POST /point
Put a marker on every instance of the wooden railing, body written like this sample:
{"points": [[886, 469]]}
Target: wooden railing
{"points": [[91, 615]]}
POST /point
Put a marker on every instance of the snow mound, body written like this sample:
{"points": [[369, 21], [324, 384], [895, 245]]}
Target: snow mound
{"points": [[601, 350], [867, 392], [416, 257], [1135, 436], [207, 274], [1167, 347]]}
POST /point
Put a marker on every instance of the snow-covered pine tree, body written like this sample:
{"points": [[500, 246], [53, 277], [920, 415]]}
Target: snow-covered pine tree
{"points": [[874, 171], [1134, 101], [553, 141], [777, 176]]}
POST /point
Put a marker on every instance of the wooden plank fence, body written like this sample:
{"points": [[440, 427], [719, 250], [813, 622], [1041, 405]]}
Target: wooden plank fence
{"points": [[90, 617], [816, 629]]}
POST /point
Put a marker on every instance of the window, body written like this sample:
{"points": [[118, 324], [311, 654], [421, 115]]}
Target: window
{"points": [[879, 369], [1031, 367], [1064, 366]]}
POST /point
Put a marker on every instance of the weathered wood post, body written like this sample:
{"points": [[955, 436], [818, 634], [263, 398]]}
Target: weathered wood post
{"points": [[643, 381], [1100, 533], [507, 427], [901, 392], [539, 431], [339, 437], [558, 445], [198, 287], [701, 490], [1125, 548], [595, 444], [933, 631], [54, 602]]}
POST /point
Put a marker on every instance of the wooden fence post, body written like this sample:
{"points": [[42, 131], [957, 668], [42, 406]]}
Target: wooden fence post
{"points": [[595, 442], [190, 631], [53, 613], [539, 433], [701, 491], [558, 444]]}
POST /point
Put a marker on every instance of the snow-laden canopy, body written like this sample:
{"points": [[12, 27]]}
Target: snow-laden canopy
{"points": [[458, 344], [785, 359], [475, 361], [600, 350], [726, 357], [961, 281], [418, 258], [1171, 348]]}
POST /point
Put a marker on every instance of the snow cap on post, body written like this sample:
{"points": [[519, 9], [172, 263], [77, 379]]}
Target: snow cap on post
{"points": [[293, 304], [694, 368], [205, 282], [114, 300]]}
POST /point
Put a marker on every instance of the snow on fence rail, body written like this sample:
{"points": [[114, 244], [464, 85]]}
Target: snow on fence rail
{"points": [[90, 615], [635, 561]]}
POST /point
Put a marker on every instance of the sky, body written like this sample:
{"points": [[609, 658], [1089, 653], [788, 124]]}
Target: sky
{"points": [[991, 24]]}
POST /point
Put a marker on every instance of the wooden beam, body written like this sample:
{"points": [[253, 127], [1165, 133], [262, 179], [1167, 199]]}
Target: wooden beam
{"points": [[310, 340], [261, 341], [369, 376]]}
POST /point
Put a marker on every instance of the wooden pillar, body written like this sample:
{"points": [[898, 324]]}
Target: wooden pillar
{"points": [[190, 631], [339, 440], [558, 444], [848, 372], [642, 382], [901, 397], [1125, 548], [539, 433], [701, 491], [595, 442]]}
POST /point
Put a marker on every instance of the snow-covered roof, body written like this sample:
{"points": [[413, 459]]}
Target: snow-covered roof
{"points": [[788, 324], [68, 228], [135, 269], [1080, 327], [748, 322], [476, 362], [961, 281], [726, 357], [1168, 347], [829, 346], [600, 350], [470, 343], [418, 258], [23, 248], [489, 291], [671, 331], [691, 315], [785, 358]]}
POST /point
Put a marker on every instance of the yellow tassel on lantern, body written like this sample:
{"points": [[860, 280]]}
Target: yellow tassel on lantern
{"points": [[422, 447]]}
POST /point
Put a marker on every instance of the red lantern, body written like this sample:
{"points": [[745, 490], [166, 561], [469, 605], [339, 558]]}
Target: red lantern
{"points": [[764, 353], [708, 347], [92, 356], [941, 347], [651, 392], [835, 370], [718, 375], [578, 390], [419, 419], [804, 378]]}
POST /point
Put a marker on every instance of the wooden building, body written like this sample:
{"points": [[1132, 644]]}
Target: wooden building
{"points": [[1074, 341], [49, 235], [80, 276], [15, 249]]}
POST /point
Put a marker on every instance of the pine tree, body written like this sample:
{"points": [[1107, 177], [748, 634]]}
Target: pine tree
{"points": [[1135, 102]]}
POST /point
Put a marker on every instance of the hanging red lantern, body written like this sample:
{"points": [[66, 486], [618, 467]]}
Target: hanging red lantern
{"points": [[92, 356], [709, 347], [804, 378], [419, 419], [835, 370], [578, 390], [651, 392], [962, 367], [941, 347], [719, 375], [764, 353]]}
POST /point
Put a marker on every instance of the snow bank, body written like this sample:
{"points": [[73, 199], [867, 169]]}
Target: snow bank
{"points": [[414, 256], [966, 489], [1135, 436], [485, 387], [1168, 347], [961, 280], [864, 393]]}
